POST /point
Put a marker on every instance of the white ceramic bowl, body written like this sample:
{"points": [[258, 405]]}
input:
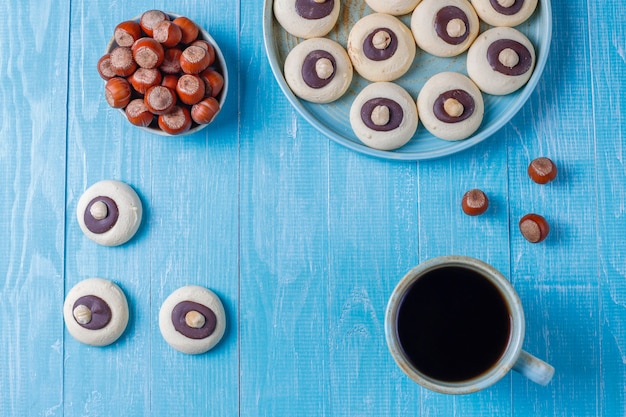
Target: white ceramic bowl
{"points": [[219, 65]]}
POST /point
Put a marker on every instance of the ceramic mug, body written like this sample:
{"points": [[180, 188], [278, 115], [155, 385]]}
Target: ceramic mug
{"points": [[455, 325]]}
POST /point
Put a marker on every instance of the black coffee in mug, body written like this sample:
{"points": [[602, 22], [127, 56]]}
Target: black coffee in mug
{"points": [[453, 324]]}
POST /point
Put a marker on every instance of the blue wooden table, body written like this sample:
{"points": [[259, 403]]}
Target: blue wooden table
{"points": [[302, 239]]}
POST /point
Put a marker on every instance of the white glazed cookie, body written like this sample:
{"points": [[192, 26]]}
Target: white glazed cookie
{"points": [[95, 312], [307, 18], [444, 28], [318, 70], [504, 12], [393, 7], [109, 212], [192, 319], [501, 60], [381, 47], [384, 116], [450, 106]]}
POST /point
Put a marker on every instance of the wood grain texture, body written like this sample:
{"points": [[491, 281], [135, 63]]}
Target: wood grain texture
{"points": [[284, 317], [608, 57], [302, 239], [562, 326], [33, 93]]}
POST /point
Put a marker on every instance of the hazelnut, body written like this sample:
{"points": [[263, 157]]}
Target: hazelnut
{"points": [[177, 121], [214, 82], [167, 33], [506, 3], [148, 53], [138, 113], [380, 115], [474, 202], [456, 28], [534, 227], [204, 111], [122, 62], [144, 78], [126, 33], [171, 61], [190, 88], [453, 107], [195, 59], [508, 57], [188, 28], [381, 40], [82, 314], [324, 68], [104, 67], [170, 81], [160, 99], [542, 170], [150, 19], [117, 92], [195, 319]]}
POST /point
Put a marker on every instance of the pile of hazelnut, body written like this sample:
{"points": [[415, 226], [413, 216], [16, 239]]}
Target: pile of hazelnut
{"points": [[162, 73]]}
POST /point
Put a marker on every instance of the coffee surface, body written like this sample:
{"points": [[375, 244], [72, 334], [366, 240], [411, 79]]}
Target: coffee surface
{"points": [[453, 324]]}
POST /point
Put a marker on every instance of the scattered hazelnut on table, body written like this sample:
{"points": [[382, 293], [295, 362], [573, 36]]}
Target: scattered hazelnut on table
{"points": [[474, 202], [542, 170], [534, 227]]}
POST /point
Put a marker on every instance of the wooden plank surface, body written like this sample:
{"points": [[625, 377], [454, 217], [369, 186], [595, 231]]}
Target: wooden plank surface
{"points": [[302, 239], [33, 117]]}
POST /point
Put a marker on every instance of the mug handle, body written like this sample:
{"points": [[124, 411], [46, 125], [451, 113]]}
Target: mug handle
{"points": [[534, 368]]}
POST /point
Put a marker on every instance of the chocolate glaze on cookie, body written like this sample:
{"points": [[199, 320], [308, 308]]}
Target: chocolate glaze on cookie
{"points": [[525, 58], [110, 217], [312, 10], [511, 10], [380, 54], [443, 17], [463, 97], [179, 313], [100, 312], [396, 114], [309, 72]]}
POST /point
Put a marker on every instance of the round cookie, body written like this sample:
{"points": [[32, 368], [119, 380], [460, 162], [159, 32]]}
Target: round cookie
{"points": [[384, 116], [504, 12], [450, 106], [381, 47], [444, 28], [307, 18], [393, 7], [501, 60], [109, 212], [192, 319], [318, 70], [95, 312]]}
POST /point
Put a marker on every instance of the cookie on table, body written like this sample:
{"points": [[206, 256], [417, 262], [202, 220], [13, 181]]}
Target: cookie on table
{"points": [[384, 116], [109, 212], [504, 12], [95, 312], [318, 70], [393, 7], [450, 106], [307, 18], [444, 28], [192, 319], [381, 47], [501, 60]]}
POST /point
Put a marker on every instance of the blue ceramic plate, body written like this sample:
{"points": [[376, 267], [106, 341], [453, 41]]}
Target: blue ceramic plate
{"points": [[333, 119]]}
